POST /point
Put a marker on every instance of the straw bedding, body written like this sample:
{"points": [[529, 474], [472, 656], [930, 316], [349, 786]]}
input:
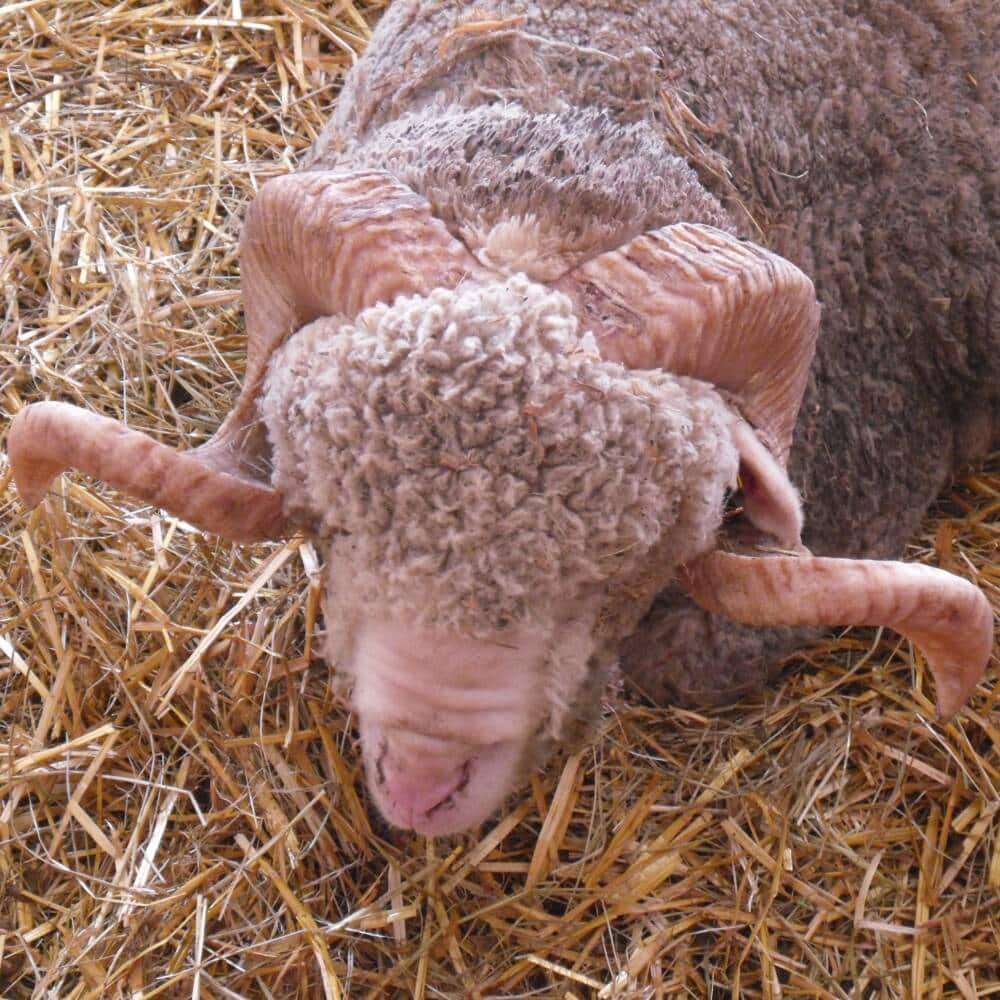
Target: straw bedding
{"points": [[181, 811]]}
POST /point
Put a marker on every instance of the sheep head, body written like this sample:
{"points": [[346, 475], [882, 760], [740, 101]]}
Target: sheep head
{"points": [[483, 481], [503, 473]]}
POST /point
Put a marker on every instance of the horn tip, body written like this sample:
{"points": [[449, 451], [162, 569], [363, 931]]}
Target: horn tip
{"points": [[31, 497], [30, 472], [956, 680], [948, 705], [31, 487]]}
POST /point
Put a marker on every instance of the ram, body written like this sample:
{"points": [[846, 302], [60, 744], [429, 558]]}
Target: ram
{"points": [[591, 335]]}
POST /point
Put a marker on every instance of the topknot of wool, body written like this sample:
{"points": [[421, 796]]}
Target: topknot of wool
{"points": [[470, 458]]}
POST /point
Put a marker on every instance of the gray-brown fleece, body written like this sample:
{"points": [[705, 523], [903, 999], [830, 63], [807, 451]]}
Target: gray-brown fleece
{"points": [[860, 141]]}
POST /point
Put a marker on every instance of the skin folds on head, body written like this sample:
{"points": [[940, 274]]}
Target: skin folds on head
{"points": [[447, 721]]}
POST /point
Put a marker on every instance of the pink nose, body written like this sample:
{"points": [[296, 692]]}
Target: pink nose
{"points": [[412, 792]]}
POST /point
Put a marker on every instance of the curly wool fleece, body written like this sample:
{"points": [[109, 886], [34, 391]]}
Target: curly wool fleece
{"points": [[471, 461]]}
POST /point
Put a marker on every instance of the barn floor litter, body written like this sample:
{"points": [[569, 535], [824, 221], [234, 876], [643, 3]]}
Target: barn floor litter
{"points": [[181, 812]]}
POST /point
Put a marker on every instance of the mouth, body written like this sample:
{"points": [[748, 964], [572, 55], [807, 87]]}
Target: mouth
{"points": [[420, 803]]}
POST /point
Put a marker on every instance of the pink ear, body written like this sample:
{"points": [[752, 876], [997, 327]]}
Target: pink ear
{"points": [[771, 502]]}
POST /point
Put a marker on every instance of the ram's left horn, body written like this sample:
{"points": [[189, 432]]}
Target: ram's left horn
{"points": [[315, 244], [947, 617]]}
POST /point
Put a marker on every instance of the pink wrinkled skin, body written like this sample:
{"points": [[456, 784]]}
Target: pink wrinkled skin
{"points": [[447, 722]]}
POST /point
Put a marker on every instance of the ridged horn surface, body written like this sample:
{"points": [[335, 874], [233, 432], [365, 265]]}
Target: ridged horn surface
{"points": [[947, 617], [697, 301], [332, 244], [46, 439], [329, 243]]}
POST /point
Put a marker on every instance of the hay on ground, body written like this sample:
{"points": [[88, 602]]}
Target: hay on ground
{"points": [[825, 840]]}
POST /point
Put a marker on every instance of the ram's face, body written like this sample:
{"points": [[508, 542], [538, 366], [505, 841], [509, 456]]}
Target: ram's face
{"points": [[479, 476], [449, 724]]}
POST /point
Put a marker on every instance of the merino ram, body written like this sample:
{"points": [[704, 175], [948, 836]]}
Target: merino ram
{"points": [[546, 291]]}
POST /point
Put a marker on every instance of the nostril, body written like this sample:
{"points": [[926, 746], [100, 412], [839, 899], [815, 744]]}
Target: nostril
{"points": [[379, 771], [418, 791], [463, 780]]}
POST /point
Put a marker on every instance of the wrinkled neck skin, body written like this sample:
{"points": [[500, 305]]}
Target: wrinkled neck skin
{"points": [[452, 723]]}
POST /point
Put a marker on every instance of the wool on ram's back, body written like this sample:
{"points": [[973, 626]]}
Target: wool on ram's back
{"points": [[862, 148]]}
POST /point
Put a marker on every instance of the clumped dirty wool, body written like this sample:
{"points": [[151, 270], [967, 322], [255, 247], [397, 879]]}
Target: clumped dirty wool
{"points": [[181, 810]]}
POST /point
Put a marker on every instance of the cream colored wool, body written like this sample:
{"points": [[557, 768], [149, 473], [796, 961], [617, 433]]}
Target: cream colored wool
{"points": [[473, 463]]}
